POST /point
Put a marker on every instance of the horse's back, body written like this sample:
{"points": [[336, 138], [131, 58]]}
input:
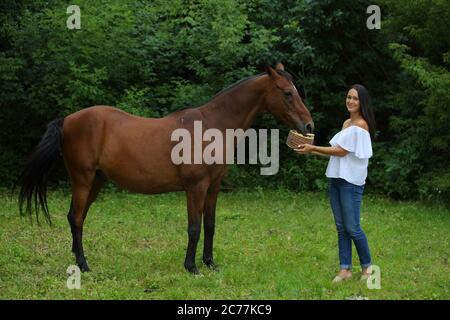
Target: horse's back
{"points": [[99, 113], [130, 150]]}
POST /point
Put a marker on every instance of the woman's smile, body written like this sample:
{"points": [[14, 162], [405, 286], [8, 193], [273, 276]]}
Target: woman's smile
{"points": [[352, 101]]}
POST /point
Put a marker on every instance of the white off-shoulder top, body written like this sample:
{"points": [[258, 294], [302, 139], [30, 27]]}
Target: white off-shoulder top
{"points": [[353, 166]]}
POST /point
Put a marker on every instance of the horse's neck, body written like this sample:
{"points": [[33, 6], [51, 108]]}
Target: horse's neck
{"points": [[237, 108]]}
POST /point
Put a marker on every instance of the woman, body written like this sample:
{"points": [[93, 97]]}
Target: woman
{"points": [[349, 154]]}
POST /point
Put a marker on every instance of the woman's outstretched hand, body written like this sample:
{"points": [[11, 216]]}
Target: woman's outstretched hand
{"points": [[304, 149]]}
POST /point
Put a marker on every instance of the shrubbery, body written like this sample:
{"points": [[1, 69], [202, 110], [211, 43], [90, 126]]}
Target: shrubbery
{"points": [[153, 57]]}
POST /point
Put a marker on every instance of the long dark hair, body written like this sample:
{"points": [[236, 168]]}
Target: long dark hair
{"points": [[365, 107]]}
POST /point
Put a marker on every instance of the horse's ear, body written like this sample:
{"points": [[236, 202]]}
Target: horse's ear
{"points": [[270, 71], [279, 66]]}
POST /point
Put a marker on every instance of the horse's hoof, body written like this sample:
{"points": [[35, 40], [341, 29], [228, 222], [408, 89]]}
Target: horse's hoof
{"points": [[192, 270], [84, 267], [211, 265]]}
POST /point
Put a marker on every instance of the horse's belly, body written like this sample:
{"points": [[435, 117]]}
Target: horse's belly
{"points": [[137, 158], [144, 181], [141, 171]]}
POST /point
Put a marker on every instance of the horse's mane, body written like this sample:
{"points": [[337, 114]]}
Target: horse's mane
{"points": [[282, 73], [238, 83]]}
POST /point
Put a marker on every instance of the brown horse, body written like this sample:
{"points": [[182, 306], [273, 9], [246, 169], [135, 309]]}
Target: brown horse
{"points": [[102, 142]]}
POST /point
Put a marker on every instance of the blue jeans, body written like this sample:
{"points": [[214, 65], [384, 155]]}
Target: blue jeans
{"points": [[346, 199]]}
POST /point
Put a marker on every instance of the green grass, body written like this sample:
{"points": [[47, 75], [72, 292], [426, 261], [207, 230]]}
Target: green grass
{"points": [[268, 245]]}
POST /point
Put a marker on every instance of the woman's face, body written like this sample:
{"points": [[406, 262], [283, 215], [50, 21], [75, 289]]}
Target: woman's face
{"points": [[352, 101]]}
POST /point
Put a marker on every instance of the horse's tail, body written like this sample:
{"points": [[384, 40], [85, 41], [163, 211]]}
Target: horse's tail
{"points": [[34, 178]]}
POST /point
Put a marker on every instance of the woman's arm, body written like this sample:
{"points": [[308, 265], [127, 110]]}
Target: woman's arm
{"points": [[327, 151], [313, 152], [324, 151], [320, 154]]}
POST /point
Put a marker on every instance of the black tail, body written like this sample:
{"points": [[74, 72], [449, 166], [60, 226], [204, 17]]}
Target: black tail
{"points": [[34, 178]]}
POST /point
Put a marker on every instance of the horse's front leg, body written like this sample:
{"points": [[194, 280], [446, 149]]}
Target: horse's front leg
{"points": [[195, 205], [209, 225]]}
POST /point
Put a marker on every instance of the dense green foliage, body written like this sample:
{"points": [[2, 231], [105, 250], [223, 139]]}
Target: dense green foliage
{"points": [[153, 57]]}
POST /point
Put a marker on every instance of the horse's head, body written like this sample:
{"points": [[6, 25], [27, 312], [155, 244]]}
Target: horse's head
{"points": [[285, 103]]}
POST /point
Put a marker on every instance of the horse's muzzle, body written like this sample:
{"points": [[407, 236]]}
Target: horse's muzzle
{"points": [[306, 128]]}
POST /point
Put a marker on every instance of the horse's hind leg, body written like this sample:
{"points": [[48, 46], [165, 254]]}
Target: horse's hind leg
{"points": [[195, 205], [85, 189], [69, 218]]}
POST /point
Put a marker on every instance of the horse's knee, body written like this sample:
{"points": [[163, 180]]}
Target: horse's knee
{"points": [[194, 232]]}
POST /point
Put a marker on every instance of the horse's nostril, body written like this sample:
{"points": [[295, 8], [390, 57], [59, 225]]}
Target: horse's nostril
{"points": [[309, 128]]}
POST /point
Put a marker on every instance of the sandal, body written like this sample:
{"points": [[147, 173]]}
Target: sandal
{"points": [[339, 278]]}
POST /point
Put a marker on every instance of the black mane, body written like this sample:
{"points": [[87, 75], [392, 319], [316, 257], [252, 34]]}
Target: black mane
{"points": [[282, 73]]}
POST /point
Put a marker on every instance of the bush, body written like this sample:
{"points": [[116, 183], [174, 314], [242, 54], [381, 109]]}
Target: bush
{"points": [[151, 58]]}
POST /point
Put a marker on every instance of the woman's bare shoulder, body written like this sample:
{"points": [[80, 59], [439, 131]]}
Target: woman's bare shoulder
{"points": [[362, 124], [346, 124]]}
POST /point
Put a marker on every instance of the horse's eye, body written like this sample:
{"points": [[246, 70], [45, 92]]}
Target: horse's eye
{"points": [[287, 94]]}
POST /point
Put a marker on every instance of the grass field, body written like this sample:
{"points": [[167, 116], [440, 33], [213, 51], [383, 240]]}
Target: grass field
{"points": [[268, 245]]}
